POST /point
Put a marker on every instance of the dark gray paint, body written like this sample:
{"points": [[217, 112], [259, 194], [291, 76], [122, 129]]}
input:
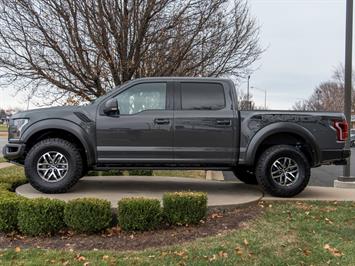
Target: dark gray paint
{"points": [[190, 139], [135, 137]]}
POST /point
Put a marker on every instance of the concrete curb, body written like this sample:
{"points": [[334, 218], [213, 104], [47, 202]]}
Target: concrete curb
{"points": [[214, 175], [220, 194], [240, 205], [319, 194], [5, 165], [344, 184]]}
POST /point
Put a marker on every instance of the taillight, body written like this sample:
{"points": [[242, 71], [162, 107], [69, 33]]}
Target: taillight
{"points": [[342, 129]]}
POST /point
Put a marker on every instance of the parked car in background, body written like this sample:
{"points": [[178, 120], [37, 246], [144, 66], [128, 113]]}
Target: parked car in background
{"points": [[352, 137], [175, 123]]}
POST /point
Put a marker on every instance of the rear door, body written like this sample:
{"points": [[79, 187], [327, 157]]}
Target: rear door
{"points": [[204, 124]]}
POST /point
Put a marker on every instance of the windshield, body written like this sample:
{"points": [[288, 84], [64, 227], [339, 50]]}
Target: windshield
{"points": [[97, 99], [115, 88]]}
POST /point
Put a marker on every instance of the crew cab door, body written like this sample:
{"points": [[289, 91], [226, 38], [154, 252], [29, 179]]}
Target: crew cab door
{"points": [[142, 132], [204, 124]]}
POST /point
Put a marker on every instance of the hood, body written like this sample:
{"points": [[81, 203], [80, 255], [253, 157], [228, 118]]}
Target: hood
{"points": [[49, 112]]}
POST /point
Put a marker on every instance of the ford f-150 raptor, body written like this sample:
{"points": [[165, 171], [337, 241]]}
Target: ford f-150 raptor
{"points": [[175, 123]]}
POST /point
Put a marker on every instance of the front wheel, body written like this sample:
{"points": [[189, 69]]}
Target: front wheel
{"points": [[283, 171], [53, 165]]}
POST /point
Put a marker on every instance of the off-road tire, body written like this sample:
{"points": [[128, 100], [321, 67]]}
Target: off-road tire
{"points": [[263, 171], [245, 174], [75, 165]]}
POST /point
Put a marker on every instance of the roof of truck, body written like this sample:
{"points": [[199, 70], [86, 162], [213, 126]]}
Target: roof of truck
{"points": [[183, 78]]}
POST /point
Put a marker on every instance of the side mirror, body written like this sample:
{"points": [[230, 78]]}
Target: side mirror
{"points": [[111, 107]]}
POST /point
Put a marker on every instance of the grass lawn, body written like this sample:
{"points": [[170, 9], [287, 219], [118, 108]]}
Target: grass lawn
{"points": [[2, 160], [3, 128], [174, 173], [313, 233], [177, 173]]}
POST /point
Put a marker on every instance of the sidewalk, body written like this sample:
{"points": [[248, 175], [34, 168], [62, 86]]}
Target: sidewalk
{"points": [[219, 193], [5, 165], [320, 193], [113, 188]]}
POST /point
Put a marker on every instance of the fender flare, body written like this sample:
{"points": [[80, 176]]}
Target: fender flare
{"points": [[279, 128], [65, 125]]}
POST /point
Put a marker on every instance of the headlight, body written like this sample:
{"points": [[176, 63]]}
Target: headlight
{"points": [[16, 126]]}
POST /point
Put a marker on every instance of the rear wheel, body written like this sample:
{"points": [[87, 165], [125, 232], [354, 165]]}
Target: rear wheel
{"points": [[53, 165], [283, 171], [245, 174]]}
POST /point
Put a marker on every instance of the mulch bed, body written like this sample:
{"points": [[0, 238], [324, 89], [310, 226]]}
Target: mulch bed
{"points": [[218, 222]]}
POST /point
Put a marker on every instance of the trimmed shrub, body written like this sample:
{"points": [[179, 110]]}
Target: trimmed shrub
{"points": [[88, 214], [13, 175], [141, 172], [6, 193], [8, 213], [139, 214], [5, 187], [184, 207], [40, 216]]}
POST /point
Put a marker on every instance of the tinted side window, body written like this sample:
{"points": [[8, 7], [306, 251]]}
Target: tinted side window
{"points": [[141, 97], [202, 96]]}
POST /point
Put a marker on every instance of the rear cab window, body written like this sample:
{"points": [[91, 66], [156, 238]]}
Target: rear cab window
{"points": [[202, 96]]}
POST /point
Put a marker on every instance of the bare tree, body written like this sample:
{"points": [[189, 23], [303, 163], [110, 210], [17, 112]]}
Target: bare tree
{"points": [[79, 49], [328, 96], [301, 105], [243, 102]]}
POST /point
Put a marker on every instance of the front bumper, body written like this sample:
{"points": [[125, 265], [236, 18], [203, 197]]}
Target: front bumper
{"points": [[338, 157], [14, 151]]}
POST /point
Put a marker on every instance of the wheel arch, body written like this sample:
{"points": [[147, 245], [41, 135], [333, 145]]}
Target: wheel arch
{"points": [[283, 133], [56, 128]]}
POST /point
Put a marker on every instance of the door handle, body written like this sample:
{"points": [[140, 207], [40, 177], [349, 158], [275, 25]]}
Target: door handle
{"points": [[224, 122], [162, 121]]}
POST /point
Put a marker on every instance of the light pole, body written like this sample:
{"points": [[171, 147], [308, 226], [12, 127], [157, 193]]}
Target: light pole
{"points": [[265, 92], [318, 92], [348, 74]]}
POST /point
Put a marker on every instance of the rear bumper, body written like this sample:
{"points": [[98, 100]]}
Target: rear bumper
{"points": [[335, 156], [14, 151]]}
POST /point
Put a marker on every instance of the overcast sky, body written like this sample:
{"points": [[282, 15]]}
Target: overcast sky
{"points": [[304, 41]]}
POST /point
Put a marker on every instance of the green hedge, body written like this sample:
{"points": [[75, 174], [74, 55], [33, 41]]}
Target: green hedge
{"points": [[9, 201], [5, 187], [13, 175], [139, 214], [40, 216], [88, 214], [5, 191], [8, 213], [184, 207], [141, 172]]}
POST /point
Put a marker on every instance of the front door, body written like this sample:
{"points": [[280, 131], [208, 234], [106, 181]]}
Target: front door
{"points": [[142, 132], [204, 123]]}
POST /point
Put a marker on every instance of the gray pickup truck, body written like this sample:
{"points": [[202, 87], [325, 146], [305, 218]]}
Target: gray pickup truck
{"points": [[175, 123]]}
